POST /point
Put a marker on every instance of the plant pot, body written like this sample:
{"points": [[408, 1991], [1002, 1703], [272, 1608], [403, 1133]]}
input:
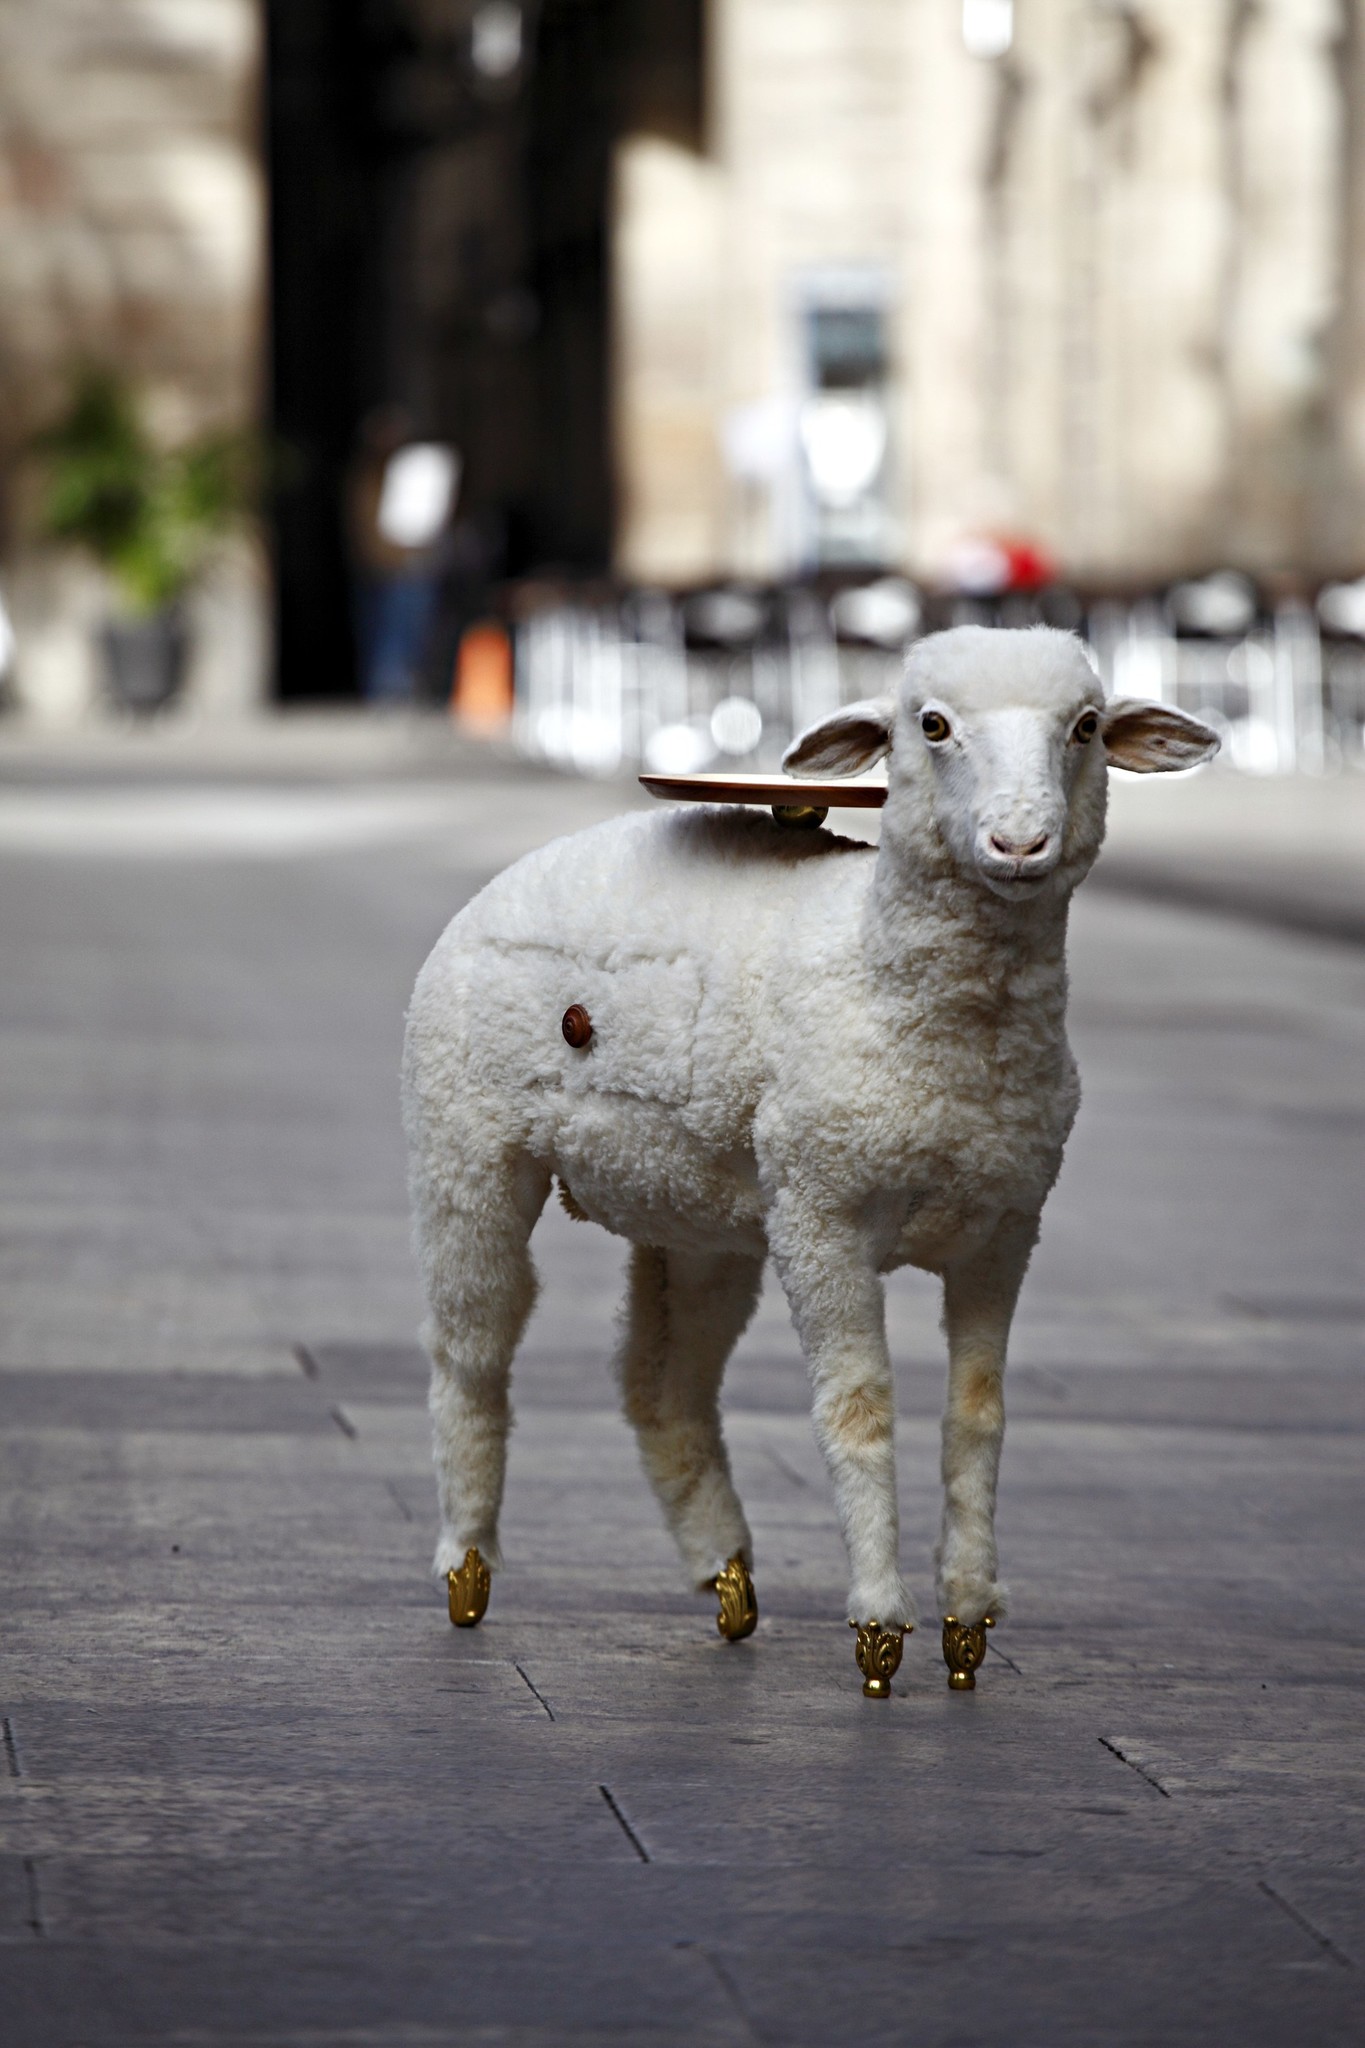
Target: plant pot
{"points": [[144, 660]]}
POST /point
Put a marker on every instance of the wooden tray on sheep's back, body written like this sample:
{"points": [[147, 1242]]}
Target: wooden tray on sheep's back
{"points": [[792, 799]]}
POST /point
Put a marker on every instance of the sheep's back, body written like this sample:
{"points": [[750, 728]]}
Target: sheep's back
{"points": [[664, 927]]}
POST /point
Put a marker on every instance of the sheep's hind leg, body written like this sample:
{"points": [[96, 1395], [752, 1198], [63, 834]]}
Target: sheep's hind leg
{"points": [[481, 1287], [684, 1312], [978, 1304]]}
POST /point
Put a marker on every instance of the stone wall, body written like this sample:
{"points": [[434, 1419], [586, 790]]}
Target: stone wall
{"points": [[667, 252]]}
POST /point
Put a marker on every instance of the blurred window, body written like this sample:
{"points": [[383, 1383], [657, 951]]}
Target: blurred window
{"points": [[844, 423], [847, 347]]}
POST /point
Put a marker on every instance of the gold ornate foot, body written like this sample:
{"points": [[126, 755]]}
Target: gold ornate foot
{"points": [[964, 1647], [468, 1585], [734, 1589], [804, 817], [878, 1652]]}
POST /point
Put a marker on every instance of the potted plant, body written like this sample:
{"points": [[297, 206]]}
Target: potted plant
{"points": [[148, 515]]}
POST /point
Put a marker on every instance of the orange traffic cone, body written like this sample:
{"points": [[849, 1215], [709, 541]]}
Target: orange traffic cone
{"points": [[482, 697]]}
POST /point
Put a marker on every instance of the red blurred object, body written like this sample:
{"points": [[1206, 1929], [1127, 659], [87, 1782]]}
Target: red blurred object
{"points": [[1030, 566], [989, 565]]}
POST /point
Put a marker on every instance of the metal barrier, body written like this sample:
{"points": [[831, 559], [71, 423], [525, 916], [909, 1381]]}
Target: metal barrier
{"points": [[620, 680]]}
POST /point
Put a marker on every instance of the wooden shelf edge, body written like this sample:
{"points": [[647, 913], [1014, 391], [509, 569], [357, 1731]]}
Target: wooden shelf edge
{"points": [[766, 790]]}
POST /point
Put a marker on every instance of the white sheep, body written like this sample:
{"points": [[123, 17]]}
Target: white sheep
{"points": [[842, 1057]]}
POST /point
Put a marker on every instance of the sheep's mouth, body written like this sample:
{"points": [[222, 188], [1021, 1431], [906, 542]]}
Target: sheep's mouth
{"points": [[1016, 881]]}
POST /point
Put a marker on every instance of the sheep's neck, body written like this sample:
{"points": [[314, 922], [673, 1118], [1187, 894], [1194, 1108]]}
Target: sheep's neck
{"points": [[952, 956]]}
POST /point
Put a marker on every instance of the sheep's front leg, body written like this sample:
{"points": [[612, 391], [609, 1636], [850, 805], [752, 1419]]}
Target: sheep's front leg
{"points": [[979, 1297], [838, 1307]]}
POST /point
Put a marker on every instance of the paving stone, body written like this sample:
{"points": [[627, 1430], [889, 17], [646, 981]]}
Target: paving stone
{"points": [[254, 1789]]}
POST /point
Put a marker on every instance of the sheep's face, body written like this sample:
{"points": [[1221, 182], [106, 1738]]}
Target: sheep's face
{"points": [[1007, 749], [1000, 740]]}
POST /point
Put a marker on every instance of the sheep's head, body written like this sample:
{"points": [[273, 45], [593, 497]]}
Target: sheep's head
{"points": [[999, 741]]}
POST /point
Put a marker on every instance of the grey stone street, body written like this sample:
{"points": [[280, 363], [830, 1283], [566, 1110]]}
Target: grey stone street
{"points": [[254, 1787]]}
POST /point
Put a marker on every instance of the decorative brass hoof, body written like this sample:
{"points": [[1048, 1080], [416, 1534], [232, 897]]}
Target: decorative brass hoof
{"points": [[468, 1586], [878, 1651], [803, 817], [964, 1647], [734, 1589]]}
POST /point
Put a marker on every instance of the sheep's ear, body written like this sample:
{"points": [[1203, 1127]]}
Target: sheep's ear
{"points": [[846, 742], [1152, 739]]}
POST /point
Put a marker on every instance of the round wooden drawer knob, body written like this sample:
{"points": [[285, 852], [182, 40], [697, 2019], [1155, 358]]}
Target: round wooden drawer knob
{"points": [[576, 1025]]}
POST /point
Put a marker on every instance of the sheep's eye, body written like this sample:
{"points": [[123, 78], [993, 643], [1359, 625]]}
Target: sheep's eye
{"points": [[1086, 728], [934, 725]]}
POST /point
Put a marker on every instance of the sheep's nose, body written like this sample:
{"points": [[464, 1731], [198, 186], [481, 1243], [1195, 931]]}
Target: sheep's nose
{"points": [[1012, 851]]}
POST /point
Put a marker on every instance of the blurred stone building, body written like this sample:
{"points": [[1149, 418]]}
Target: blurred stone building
{"points": [[701, 288], [1086, 271]]}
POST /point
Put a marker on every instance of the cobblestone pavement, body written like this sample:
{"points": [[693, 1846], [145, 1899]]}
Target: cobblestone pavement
{"points": [[255, 1789]]}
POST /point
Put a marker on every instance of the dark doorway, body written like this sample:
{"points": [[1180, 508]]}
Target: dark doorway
{"points": [[439, 216]]}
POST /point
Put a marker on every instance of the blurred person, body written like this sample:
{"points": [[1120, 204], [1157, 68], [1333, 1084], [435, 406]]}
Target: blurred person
{"points": [[400, 493], [472, 563]]}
